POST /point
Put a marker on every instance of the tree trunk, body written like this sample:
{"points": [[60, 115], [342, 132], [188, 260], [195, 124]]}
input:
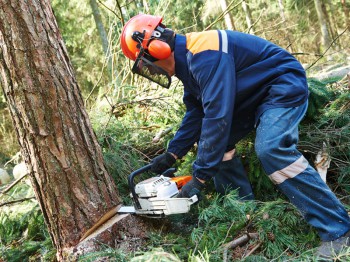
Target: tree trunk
{"points": [[248, 17], [57, 142], [328, 19], [284, 20], [346, 13], [228, 18], [102, 32], [326, 40], [333, 16]]}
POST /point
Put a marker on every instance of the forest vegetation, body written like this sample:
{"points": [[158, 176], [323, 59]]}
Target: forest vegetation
{"points": [[127, 113]]}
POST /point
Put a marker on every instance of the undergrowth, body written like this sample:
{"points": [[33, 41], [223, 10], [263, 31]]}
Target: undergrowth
{"points": [[200, 235], [283, 234], [327, 125], [23, 234], [218, 220]]}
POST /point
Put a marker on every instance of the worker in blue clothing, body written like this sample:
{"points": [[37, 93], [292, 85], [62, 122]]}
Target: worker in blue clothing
{"points": [[234, 83]]}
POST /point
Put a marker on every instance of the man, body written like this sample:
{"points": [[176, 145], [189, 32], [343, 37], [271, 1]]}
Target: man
{"points": [[233, 83]]}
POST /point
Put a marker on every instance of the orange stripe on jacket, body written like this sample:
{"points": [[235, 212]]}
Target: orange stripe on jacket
{"points": [[201, 41]]}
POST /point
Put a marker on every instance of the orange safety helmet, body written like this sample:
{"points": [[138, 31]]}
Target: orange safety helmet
{"points": [[145, 40], [140, 32]]}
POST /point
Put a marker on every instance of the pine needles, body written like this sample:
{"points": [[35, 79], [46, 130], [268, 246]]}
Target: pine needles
{"points": [[23, 235], [280, 227]]}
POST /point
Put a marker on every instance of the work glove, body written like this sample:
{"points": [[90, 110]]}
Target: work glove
{"points": [[193, 187], [162, 162]]}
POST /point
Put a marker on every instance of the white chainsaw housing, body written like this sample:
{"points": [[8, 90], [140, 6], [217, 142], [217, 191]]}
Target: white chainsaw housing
{"points": [[156, 187], [157, 196]]}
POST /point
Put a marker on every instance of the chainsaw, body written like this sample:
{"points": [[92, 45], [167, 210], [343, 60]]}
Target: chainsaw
{"points": [[154, 197], [157, 196]]}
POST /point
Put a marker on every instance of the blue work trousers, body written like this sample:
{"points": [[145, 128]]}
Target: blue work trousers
{"points": [[276, 147]]}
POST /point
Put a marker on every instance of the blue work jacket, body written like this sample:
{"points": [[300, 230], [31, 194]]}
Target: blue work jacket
{"points": [[230, 79]]}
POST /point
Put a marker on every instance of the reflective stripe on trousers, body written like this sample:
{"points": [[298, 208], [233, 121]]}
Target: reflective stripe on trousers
{"points": [[276, 147]]}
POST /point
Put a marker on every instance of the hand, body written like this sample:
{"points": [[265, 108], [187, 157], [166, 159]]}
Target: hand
{"points": [[193, 187], [162, 162]]}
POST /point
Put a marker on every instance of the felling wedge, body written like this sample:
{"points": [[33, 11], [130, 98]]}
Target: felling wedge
{"points": [[153, 197]]}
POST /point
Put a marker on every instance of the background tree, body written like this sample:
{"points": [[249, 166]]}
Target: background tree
{"points": [[248, 17], [102, 32], [346, 12], [60, 148], [285, 23], [228, 17], [326, 39]]}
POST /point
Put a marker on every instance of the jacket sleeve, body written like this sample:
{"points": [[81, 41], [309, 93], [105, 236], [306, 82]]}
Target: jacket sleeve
{"points": [[214, 71], [190, 128]]}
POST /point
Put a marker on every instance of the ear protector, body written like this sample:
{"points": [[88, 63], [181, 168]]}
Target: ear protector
{"points": [[159, 49]]}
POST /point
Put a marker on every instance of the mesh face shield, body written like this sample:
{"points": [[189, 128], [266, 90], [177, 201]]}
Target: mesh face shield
{"points": [[149, 70]]}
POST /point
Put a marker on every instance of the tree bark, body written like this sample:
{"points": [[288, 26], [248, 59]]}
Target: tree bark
{"points": [[57, 141]]}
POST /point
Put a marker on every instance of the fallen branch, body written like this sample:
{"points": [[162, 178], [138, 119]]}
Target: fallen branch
{"points": [[253, 250], [15, 159], [140, 101], [162, 133], [238, 241], [12, 185], [16, 201]]}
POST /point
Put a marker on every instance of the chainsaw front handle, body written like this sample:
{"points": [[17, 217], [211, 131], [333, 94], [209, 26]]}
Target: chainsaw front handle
{"points": [[132, 184]]}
